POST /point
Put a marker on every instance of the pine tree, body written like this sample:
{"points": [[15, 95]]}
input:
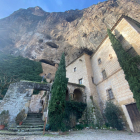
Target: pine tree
{"points": [[57, 103], [129, 65]]}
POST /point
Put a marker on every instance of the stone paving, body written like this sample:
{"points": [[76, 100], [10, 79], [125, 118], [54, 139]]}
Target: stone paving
{"points": [[90, 134]]}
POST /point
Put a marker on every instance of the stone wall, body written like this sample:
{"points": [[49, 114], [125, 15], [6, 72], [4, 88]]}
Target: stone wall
{"points": [[18, 98], [48, 69], [35, 104], [83, 71]]}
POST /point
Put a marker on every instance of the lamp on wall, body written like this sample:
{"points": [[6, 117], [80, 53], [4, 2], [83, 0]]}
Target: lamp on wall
{"points": [[110, 56]]}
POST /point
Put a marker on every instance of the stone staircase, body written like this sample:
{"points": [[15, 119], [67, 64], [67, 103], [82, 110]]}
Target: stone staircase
{"points": [[31, 126]]}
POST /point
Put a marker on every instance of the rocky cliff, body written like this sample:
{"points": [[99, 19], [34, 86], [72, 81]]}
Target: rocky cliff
{"points": [[43, 36]]}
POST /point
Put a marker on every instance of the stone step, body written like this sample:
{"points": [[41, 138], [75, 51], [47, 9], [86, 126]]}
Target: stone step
{"points": [[30, 119], [34, 114], [33, 123], [30, 126], [6, 132], [33, 118], [25, 129]]}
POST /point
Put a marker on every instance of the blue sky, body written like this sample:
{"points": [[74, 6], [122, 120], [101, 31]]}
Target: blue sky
{"points": [[7, 7]]}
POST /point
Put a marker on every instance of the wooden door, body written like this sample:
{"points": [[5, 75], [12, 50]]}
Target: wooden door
{"points": [[134, 115]]}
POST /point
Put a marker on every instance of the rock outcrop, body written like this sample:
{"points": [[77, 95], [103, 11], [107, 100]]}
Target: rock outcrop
{"points": [[40, 35]]}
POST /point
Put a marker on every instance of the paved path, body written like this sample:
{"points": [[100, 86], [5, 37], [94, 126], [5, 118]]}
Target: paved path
{"points": [[81, 135]]}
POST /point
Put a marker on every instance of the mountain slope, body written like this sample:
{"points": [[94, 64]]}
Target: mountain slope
{"points": [[37, 34]]}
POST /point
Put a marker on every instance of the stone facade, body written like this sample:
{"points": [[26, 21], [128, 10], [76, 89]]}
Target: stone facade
{"points": [[101, 72]]}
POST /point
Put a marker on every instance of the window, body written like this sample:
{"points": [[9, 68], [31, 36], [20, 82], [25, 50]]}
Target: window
{"points": [[132, 52], [110, 94], [81, 81], [75, 69], [104, 74], [120, 38], [92, 78], [99, 61]]}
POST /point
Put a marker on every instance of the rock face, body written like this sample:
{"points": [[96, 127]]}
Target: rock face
{"points": [[40, 35]]}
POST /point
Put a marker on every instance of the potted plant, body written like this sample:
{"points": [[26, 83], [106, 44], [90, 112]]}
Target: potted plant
{"points": [[20, 117], [4, 117]]}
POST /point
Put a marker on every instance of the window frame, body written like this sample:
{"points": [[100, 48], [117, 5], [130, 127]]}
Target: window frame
{"points": [[75, 69], [104, 74], [81, 81], [99, 61], [110, 94]]}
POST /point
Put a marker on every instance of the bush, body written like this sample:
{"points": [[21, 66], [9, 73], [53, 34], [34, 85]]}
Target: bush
{"points": [[20, 116], [4, 117], [79, 126], [112, 113], [73, 112]]}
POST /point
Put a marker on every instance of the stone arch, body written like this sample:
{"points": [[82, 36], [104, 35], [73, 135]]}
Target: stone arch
{"points": [[78, 95]]}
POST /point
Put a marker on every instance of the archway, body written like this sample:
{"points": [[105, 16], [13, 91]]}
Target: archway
{"points": [[77, 95]]}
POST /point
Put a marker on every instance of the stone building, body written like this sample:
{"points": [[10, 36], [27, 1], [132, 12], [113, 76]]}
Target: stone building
{"points": [[102, 76], [94, 79]]}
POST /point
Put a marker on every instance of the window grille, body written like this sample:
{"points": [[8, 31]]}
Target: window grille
{"points": [[110, 94]]}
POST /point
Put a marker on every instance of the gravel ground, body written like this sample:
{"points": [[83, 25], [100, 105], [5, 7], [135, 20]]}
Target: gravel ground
{"points": [[81, 135]]}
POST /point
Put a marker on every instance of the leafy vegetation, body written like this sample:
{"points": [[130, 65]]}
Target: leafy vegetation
{"points": [[129, 65], [76, 109], [112, 114], [18, 68], [20, 116], [4, 117], [57, 102]]}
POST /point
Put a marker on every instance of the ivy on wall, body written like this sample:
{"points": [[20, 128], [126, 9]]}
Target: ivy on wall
{"points": [[129, 65], [20, 68], [76, 108]]}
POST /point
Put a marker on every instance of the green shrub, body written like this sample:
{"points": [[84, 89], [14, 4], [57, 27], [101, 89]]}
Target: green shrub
{"points": [[4, 117], [79, 126], [20, 116], [76, 108], [112, 114]]}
